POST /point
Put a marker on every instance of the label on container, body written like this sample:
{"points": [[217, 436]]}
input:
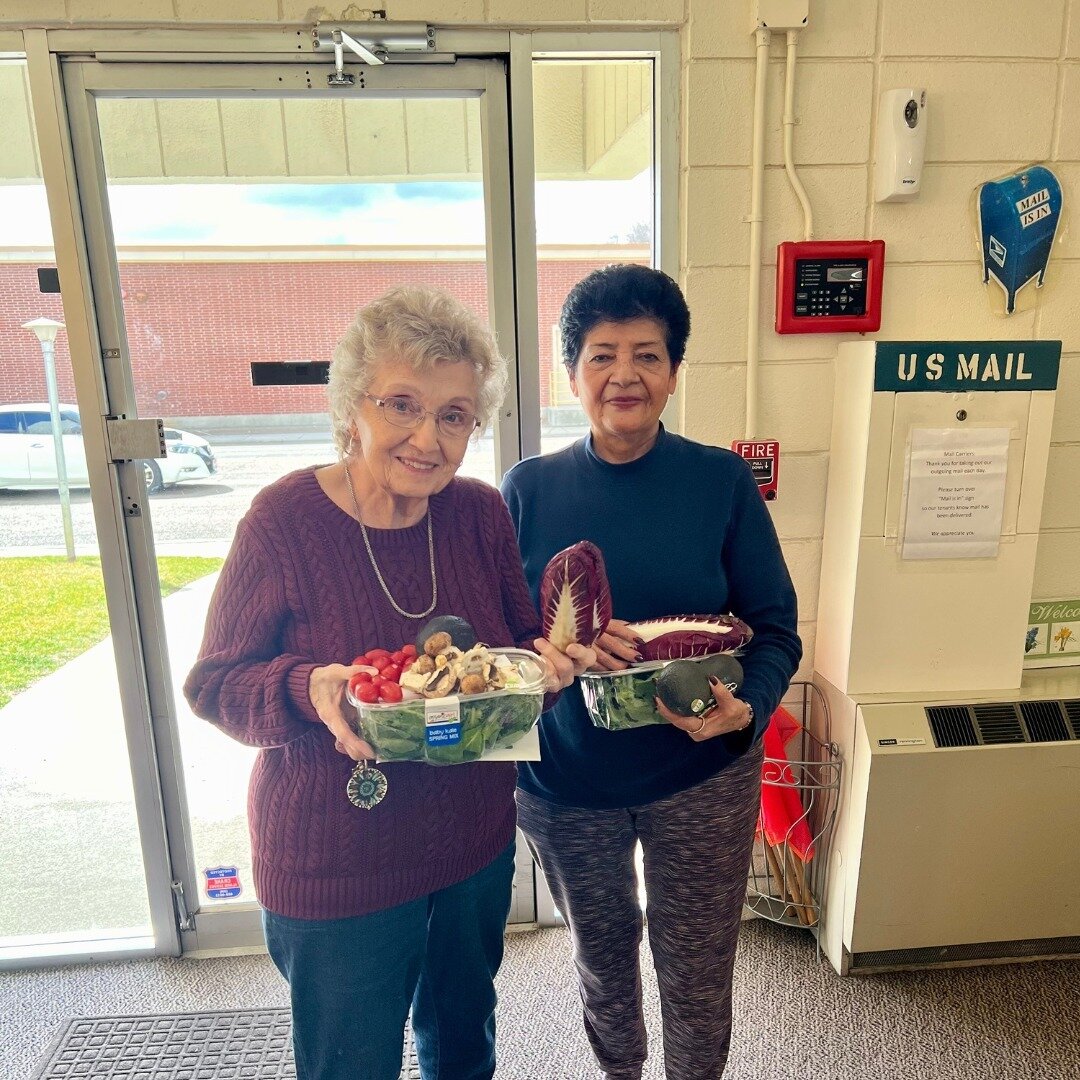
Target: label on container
{"points": [[442, 720]]}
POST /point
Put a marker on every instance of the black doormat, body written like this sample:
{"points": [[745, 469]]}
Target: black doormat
{"points": [[234, 1044]]}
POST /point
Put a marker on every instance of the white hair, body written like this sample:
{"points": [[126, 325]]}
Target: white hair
{"points": [[423, 326]]}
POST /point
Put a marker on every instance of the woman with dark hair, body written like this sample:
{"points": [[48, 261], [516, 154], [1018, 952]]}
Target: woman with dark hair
{"points": [[682, 529]]}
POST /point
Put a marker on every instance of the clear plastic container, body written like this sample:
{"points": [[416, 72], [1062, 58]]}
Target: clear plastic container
{"points": [[620, 700], [459, 728]]}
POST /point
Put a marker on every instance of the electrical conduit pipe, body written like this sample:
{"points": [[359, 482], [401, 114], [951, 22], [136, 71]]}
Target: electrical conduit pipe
{"points": [[757, 184]]}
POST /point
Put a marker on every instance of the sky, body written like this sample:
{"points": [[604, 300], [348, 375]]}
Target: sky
{"points": [[567, 211]]}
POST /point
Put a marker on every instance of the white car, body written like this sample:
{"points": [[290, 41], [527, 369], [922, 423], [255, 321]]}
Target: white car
{"points": [[28, 458]]}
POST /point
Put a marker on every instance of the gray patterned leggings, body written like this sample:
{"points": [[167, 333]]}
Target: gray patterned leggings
{"points": [[697, 847]]}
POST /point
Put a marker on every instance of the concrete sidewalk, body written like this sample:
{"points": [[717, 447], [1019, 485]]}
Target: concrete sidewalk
{"points": [[72, 859]]}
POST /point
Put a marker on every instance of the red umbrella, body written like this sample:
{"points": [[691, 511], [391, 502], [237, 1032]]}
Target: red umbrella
{"points": [[783, 817]]}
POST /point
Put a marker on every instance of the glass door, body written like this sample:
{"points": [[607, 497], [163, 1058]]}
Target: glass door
{"points": [[597, 210], [239, 215], [65, 779]]}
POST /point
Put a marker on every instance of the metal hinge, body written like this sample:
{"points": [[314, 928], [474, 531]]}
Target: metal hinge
{"points": [[184, 918]]}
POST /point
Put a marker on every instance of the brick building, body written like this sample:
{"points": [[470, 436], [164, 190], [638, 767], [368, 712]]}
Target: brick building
{"points": [[197, 318]]}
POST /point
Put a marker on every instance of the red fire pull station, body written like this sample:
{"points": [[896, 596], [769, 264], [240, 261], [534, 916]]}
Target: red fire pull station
{"points": [[764, 459], [829, 286]]}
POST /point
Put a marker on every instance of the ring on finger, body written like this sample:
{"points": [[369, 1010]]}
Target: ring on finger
{"points": [[700, 728]]}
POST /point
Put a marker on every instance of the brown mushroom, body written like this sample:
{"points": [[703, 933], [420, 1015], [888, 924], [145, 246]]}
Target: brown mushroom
{"points": [[437, 643], [422, 665], [473, 684], [441, 683]]}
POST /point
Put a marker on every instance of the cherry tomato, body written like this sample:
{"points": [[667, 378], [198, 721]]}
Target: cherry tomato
{"points": [[408, 650], [367, 692], [378, 680], [381, 662], [375, 654], [392, 672], [360, 661], [358, 680], [390, 692]]}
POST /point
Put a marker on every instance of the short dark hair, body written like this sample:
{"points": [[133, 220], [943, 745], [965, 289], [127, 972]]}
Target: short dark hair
{"points": [[620, 292]]}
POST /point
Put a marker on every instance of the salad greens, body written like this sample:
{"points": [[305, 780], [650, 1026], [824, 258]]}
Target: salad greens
{"points": [[622, 700], [491, 722]]}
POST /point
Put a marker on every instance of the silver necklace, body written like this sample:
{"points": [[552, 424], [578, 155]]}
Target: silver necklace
{"points": [[375, 566]]}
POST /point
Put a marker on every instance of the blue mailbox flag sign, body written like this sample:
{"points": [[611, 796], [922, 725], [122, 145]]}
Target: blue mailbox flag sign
{"points": [[1018, 220]]}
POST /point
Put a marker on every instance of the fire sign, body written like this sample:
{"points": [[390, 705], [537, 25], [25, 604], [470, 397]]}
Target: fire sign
{"points": [[763, 456]]}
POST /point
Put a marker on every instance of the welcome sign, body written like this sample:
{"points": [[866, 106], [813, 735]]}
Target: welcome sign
{"points": [[1053, 633], [944, 367]]}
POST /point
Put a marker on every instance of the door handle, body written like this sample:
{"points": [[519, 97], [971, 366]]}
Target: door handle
{"points": [[130, 440]]}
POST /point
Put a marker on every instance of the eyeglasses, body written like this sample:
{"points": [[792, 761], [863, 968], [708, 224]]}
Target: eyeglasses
{"points": [[404, 412]]}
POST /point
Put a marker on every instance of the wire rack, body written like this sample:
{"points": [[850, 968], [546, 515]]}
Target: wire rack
{"points": [[782, 887]]}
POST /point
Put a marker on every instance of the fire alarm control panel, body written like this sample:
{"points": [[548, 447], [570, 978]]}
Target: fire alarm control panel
{"points": [[829, 286]]}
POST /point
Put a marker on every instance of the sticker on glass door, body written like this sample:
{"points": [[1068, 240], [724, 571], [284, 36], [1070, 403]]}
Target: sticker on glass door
{"points": [[222, 882]]}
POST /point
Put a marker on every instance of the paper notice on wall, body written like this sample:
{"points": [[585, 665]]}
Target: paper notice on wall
{"points": [[955, 493]]}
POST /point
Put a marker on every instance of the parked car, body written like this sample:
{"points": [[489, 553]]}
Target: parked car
{"points": [[28, 459]]}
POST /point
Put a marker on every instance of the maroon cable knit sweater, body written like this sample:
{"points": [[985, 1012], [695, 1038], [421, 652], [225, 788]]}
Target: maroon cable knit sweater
{"points": [[297, 592]]}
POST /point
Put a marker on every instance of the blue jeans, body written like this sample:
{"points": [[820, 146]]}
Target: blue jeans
{"points": [[352, 982]]}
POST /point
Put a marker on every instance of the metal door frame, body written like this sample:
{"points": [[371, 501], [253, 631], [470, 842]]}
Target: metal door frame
{"points": [[65, 68], [146, 683]]}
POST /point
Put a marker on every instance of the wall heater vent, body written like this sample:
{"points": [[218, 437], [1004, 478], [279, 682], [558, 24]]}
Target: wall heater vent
{"points": [[952, 725], [1072, 711], [1001, 722], [1045, 721]]}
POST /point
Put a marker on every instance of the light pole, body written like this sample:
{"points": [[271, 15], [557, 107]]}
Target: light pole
{"points": [[45, 330]]}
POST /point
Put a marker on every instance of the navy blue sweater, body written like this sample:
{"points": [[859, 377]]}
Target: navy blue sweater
{"points": [[683, 530]]}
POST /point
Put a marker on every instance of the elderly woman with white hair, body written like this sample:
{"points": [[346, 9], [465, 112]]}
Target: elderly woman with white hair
{"points": [[369, 912]]}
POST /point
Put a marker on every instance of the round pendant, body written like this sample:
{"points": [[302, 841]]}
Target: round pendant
{"points": [[367, 786]]}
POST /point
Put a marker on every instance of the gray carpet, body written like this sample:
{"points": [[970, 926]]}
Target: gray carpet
{"points": [[794, 1018]]}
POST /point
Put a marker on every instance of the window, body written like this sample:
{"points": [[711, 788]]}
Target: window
{"points": [[595, 177]]}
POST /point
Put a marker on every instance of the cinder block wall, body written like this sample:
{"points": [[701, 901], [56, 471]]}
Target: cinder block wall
{"points": [[1003, 80], [1003, 85]]}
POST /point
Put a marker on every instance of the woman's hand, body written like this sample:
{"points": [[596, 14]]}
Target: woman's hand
{"points": [[727, 715], [561, 668], [617, 647], [326, 689]]}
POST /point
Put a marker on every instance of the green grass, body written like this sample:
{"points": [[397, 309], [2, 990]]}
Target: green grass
{"points": [[54, 610]]}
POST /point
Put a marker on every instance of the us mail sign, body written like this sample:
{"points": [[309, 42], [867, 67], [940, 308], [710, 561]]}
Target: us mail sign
{"points": [[1018, 222], [949, 366]]}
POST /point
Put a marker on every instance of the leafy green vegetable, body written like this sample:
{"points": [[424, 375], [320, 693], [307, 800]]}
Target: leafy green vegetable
{"points": [[623, 700], [496, 721]]}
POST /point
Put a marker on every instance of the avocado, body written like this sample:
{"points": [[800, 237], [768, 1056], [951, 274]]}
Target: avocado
{"points": [[683, 685], [462, 635]]}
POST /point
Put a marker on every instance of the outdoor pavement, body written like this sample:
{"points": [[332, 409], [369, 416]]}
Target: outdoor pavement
{"points": [[72, 860]]}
